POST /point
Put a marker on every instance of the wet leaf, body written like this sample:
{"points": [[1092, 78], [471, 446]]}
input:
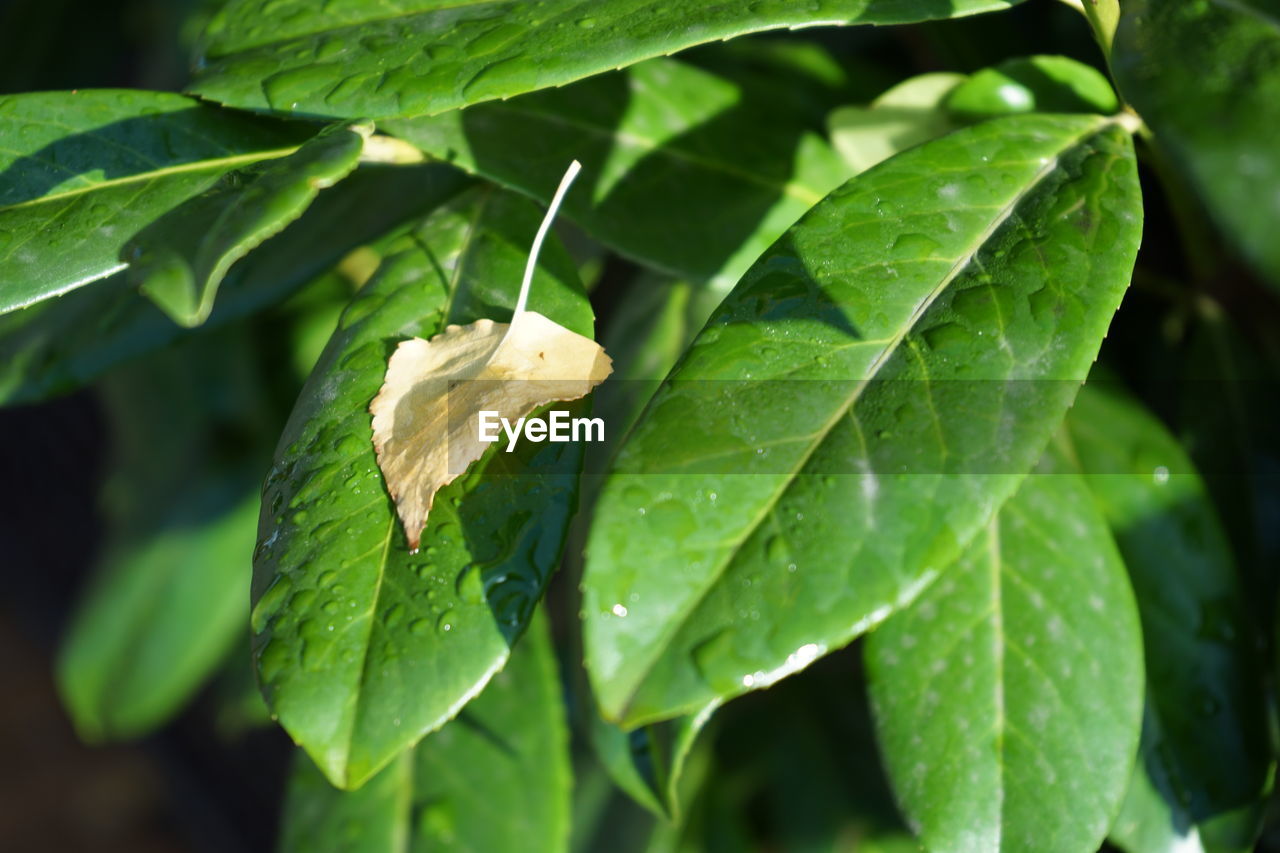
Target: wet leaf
{"points": [[495, 779], [1008, 697], [362, 58], [1205, 77], [82, 172], [180, 259], [669, 177], [915, 340], [1205, 763], [361, 646]]}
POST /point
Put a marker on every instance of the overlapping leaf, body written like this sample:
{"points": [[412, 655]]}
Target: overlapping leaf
{"points": [[1206, 78], [1205, 761], [82, 172], [361, 646], [58, 344], [1008, 697], [384, 58], [180, 259], [906, 115], [495, 779], [684, 170], [885, 373]]}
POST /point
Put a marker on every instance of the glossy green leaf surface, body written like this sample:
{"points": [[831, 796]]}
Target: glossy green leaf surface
{"points": [[495, 779], [360, 58], [82, 172], [59, 344], [170, 593], [1205, 749], [361, 646], [1008, 697], [180, 259], [914, 340], [1046, 84], [1205, 77], [906, 115], [684, 170]]}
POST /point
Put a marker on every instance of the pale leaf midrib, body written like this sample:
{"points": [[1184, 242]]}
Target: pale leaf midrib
{"points": [[223, 164], [997, 617], [825, 430]]}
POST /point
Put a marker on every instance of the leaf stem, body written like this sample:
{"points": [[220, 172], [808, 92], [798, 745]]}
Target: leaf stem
{"points": [[565, 182]]}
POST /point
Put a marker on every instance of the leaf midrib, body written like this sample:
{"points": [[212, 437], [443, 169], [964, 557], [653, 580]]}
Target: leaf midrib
{"points": [[217, 164], [825, 430]]}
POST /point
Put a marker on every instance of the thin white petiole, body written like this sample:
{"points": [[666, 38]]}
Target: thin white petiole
{"points": [[569, 175]]}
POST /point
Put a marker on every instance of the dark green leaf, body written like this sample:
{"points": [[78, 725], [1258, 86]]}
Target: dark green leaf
{"points": [[495, 779], [906, 115], [684, 170], [59, 344], [363, 647], [1046, 84], [1205, 76], [879, 373], [171, 591], [180, 259], [423, 57], [1205, 750], [82, 172], [1008, 697]]}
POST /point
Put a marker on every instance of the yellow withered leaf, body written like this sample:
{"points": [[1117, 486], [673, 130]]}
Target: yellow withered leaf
{"points": [[426, 416]]}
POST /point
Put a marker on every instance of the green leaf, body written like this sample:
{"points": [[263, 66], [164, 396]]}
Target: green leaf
{"points": [[1008, 697], [879, 374], [363, 647], [1046, 84], [906, 115], [667, 177], [180, 259], [423, 57], [170, 594], [495, 779], [59, 344], [82, 172], [1206, 759], [1205, 77], [648, 763]]}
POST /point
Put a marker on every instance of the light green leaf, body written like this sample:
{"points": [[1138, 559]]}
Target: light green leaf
{"points": [[82, 172], [361, 58], [170, 595], [880, 375], [361, 646], [1008, 697], [180, 259], [684, 170], [1046, 84], [906, 115], [495, 779], [1205, 77], [1206, 761]]}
